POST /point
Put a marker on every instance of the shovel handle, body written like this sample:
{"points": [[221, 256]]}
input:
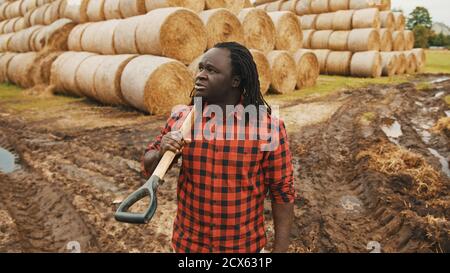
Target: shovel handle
{"points": [[149, 188]]}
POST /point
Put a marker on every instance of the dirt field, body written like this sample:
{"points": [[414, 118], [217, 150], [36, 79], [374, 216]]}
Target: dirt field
{"points": [[371, 172]]}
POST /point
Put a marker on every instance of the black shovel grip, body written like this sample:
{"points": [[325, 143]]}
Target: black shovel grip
{"points": [[148, 189]]}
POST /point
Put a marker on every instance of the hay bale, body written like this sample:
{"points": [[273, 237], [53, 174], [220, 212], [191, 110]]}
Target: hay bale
{"points": [[289, 5], [366, 64], [283, 71], [366, 18], [389, 63], [95, 10], [193, 67], [387, 19], [411, 62], [324, 21], [107, 79], [289, 34], [338, 40], [129, 8], [5, 59], [125, 35], [319, 39], [336, 5], [74, 39], [385, 39], [303, 7], [194, 5], [338, 63], [111, 9], [55, 36], [19, 69], [273, 6], [259, 30], [421, 58], [307, 36], [9, 25], [20, 41], [308, 68], [409, 39], [322, 55], [263, 67], [308, 21], [156, 84], [399, 21], [40, 71], [221, 26], [63, 72], [52, 13], [320, 6], [364, 39], [398, 40], [4, 41], [361, 4], [343, 20], [76, 10], [85, 75], [234, 5], [175, 33], [99, 37], [402, 62]]}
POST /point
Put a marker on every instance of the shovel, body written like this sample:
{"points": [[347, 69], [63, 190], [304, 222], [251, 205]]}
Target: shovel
{"points": [[149, 188]]}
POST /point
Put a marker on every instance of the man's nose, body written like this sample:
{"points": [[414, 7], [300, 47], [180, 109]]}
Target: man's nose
{"points": [[201, 75]]}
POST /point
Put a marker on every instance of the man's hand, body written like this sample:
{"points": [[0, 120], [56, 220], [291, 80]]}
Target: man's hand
{"points": [[172, 141], [282, 219]]}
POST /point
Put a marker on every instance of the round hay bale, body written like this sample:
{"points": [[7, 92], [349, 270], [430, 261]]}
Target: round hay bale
{"points": [[366, 64], [57, 34], [248, 4], [129, 8], [9, 26], [156, 84], [263, 67], [336, 5], [401, 69], [338, 40], [273, 6], [389, 63], [319, 39], [366, 18], [387, 19], [308, 21], [308, 68], [4, 41], [409, 39], [2, 25], [420, 58], [193, 67], [40, 71], [320, 6], [364, 39], [385, 39], [20, 24], [399, 21], [108, 77], [85, 75], [303, 7], [37, 17], [324, 21], [289, 5], [259, 30], [283, 71], [234, 5], [194, 5], [222, 26], [19, 69], [338, 63], [20, 42], [398, 40], [176, 33], [111, 9], [99, 37], [76, 10], [383, 5], [5, 59], [322, 55], [411, 62], [74, 39], [289, 34], [125, 35], [361, 4], [95, 10], [343, 20], [13, 9], [66, 72], [52, 13], [307, 36]]}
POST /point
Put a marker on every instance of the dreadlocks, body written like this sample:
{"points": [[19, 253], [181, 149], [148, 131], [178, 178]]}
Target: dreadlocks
{"points": [[244, 66]]}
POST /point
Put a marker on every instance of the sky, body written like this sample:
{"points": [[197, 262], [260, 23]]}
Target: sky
{"points": [[439, 9]]}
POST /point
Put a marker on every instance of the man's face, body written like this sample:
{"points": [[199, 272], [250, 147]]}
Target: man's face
{"points": [[214, 79]]}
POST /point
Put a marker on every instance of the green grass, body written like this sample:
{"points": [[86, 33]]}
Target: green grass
{"points": [[447, 100], [438, 61]]}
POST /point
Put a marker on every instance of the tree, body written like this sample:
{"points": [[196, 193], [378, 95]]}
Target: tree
{"points": [[419, 16], [423, 35]]}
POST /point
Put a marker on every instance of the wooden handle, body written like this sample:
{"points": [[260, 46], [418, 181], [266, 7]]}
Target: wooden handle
{"points": [[169, 156]]}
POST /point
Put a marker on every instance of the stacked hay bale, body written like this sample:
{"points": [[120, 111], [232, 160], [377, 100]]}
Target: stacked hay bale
{"points": [[348, 35]]}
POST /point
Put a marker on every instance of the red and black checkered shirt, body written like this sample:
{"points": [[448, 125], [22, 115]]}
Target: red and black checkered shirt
{"points": [[222, 187]]}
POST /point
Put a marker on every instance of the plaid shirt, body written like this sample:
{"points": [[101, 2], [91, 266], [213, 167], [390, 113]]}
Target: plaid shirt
{"points": [[222, 187]]}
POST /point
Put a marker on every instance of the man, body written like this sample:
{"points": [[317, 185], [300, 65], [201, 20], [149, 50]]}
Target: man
{"points": [[223, 182]]}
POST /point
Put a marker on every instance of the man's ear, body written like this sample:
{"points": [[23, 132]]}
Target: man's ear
{"points": [[236, 81]]}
